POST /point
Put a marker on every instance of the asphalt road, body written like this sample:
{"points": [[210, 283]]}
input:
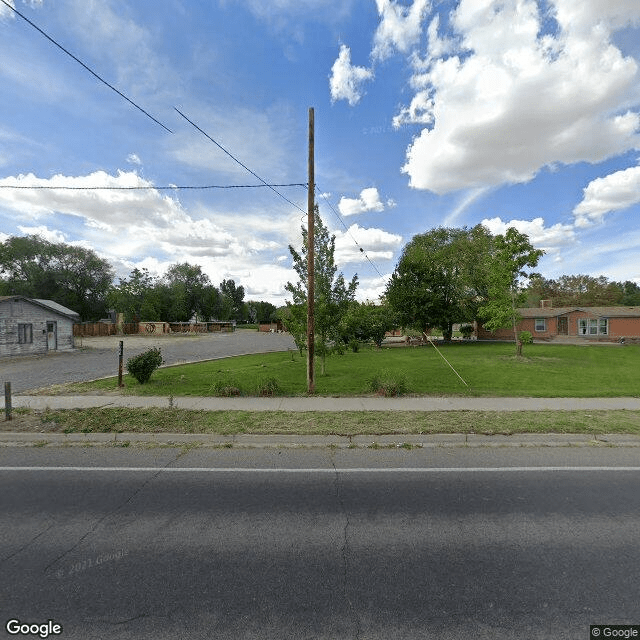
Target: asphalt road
{"points": [[88, 363], [163, 543]]}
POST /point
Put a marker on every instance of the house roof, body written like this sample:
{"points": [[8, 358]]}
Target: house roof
{"points": [[602, 312], [47, 304]]}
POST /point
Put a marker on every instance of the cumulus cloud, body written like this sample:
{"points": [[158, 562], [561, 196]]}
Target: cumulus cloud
{"points": [[378, 244], [400, 27], [133, 158], [144, 227], [550, 239], [616, 191], [514, 99], [369, 200], [346, 80]]}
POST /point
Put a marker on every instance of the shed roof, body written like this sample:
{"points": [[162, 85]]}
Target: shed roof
{"points": [[47, 304], [603, 312]]}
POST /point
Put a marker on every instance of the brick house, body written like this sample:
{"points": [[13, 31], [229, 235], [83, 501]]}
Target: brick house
{"points": [[30, 326], [602, 324]]}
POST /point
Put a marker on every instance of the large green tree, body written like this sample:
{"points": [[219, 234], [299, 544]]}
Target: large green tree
{"points": [[510, 254], [440, 278], [73, 276], [332, 294]]}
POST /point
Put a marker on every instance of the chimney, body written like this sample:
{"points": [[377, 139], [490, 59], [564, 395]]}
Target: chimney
{"points": [[546, 304]]}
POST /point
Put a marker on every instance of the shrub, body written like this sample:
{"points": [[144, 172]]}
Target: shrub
{"points": [[466, 330], [388, 384], [354, 345], [269, 387], [226, 386], [525, 337], [144, 364]]}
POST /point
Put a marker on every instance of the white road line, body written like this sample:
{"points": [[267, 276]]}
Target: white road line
{"points": [[323, 470]]}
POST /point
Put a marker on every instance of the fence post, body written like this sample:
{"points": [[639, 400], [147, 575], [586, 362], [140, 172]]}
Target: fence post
{"points": [[120, 364], [7, 401]]}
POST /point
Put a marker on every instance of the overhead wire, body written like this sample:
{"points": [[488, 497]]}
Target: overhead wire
{"points": [[151, 187], [339, 217], [244, 166], [89, 69]]}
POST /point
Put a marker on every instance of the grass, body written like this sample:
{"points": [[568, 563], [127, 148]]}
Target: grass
{"points": [[347, 423], [488, 369]]}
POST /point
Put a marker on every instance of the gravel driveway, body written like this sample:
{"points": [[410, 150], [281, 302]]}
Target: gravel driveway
{"points": [[98, 357]]}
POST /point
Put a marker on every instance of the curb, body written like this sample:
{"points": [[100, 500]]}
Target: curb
{"points": [[245, 441]]}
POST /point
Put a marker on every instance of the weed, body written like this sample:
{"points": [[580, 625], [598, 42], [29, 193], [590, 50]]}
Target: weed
{"points": [[269, 386], [387, 384]]}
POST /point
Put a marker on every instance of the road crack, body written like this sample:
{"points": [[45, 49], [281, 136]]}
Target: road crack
{"points": [[111, 513], [345, 550]]}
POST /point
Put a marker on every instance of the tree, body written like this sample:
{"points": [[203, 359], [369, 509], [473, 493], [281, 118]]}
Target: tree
{"points": [[73, 276], [367, 321], [188, 284], [233, 300], [332, 294], [134, 297], [511, 253], [440, 278]]}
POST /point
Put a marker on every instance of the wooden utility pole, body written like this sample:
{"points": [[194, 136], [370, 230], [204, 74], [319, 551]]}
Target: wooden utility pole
{"points": [[311, 385]]}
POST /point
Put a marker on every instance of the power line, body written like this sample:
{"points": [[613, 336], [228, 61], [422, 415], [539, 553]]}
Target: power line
{"points": [[152, 188], [349, 232], [91, 71], [244, 166]]}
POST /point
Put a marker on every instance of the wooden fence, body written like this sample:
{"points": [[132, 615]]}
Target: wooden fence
{"points": [[92, 329]]}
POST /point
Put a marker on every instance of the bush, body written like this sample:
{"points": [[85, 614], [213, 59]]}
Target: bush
{"points": [[354, 345], [466, 330], [525, 337], [269, 387], [144, 364], [389, 384], [226, 386]]}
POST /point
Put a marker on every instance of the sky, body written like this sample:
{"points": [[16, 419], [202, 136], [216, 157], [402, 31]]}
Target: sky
{"points": [[429, 113]]}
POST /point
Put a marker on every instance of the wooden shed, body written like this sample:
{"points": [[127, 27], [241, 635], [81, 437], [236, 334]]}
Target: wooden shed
{"points": [[30, 326]]}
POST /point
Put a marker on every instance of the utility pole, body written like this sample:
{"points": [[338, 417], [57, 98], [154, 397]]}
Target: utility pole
{"points": [[311, 385]]}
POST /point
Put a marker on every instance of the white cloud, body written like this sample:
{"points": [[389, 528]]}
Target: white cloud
{"points": [[145, 228], [346, 80], [45, 233], [550, 239], [133, 158], [616, 191], [400, 27], [512, 102], [5, 12], [370, 289], [369, 200], [377, 243]]}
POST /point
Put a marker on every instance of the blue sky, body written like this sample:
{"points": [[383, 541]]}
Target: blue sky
{"points": [[520, 113]]}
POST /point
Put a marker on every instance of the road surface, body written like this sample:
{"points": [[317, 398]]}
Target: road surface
{"points": [[444, 544]]}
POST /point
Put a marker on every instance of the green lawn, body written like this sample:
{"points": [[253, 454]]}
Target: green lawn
{"points": [[488, 369]]}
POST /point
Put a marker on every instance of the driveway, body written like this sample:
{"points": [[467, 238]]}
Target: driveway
{"points": [[98, 357]]}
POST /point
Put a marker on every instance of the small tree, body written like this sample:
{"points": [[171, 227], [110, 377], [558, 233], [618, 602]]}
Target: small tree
{"points": [[511, 253], [332, 294]]}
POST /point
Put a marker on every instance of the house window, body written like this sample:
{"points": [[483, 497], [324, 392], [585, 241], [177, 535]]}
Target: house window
{"points": [[593, 326], [541, 324], [25, 333]]}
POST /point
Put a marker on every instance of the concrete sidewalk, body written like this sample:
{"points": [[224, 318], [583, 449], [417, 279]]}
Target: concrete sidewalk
{"points": [[299, 404]]}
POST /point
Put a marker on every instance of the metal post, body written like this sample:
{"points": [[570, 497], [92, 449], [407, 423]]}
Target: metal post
{"points": [[310, 260], [120, 383], [7, 401]]}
